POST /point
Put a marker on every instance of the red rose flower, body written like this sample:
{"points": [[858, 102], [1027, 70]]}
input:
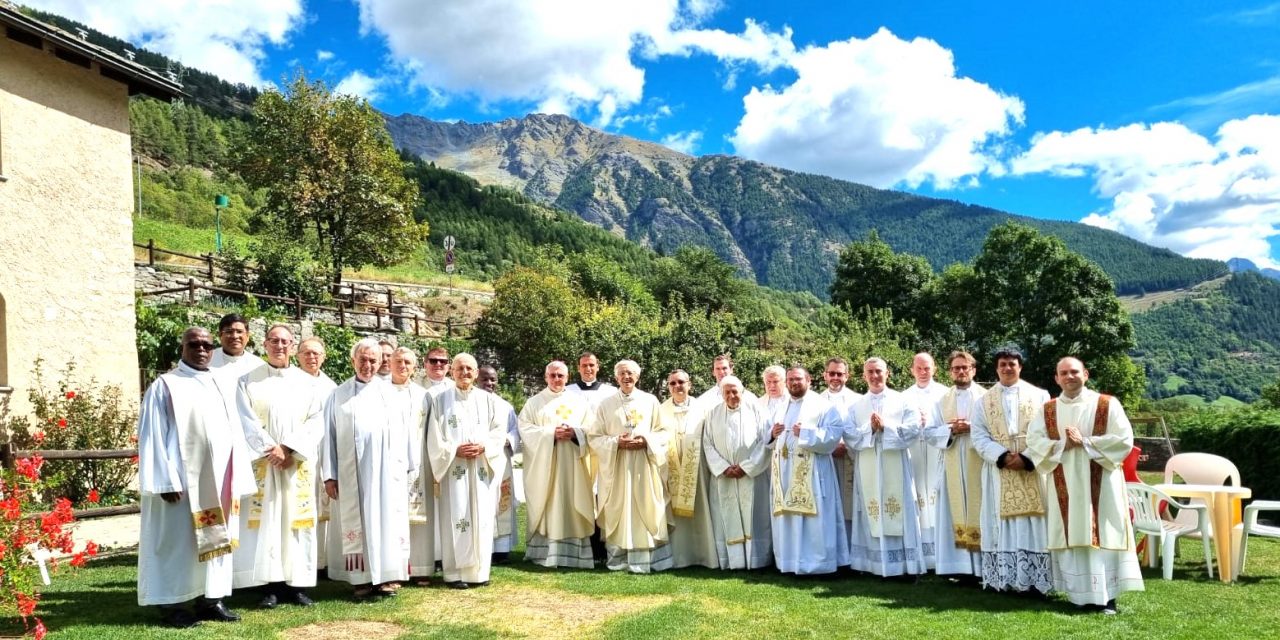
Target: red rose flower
{"points": [[26, 604], [71, 395], [39, 632], [38, 436], [62, 423], [91, 548], [93, 496], [78, 560]]}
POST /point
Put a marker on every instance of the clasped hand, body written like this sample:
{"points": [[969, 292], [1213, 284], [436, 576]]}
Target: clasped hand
{"points": [[630, 442], [1074, 438], [470, 450]]}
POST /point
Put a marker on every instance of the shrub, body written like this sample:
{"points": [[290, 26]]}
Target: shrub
{"points": [[77, 415], [1249, 437]]}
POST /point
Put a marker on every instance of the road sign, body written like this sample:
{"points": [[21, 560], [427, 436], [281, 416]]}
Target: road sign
{"points": [[448, 268], [449, 243]]}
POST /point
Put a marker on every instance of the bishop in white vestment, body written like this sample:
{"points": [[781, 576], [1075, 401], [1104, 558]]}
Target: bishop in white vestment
{"points": [[630, 444], [1014, 552], [689, 518], [466, 432], [733, 441], [809, 535], [881, 427], [369, 458], [283, 420], [1079, 442], [559, 503], [193, 467]]}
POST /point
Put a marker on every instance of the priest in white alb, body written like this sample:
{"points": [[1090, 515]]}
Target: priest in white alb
{"points": [[957, 531], [233, 359], [466, 431], [692, 540], [631, 447], [838, 393], [559, 502], [721, 366], [368, 459], [809, 535], [733, 441], [504, 532], [409, 400], [283, 419], [926, 458], [311, 356], [1014, 535], [774, 401], [881, 427], [193, 467], [1079, 442]]}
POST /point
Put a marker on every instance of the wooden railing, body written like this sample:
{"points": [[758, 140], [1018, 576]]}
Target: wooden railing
{"points": [[299, 307], [9, 458]]}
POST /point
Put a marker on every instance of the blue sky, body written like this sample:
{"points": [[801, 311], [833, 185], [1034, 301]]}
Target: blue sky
{"points": [[1158, 120]]}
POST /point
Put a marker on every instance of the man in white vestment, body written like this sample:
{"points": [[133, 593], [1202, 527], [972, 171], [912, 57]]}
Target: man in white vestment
{"points": [[957, 519], [504, 532], [1079, 442], [689, 517], [721, 366], [733, 442], [838, 393], [466, 431], [283, 422], [311, 356], [559, 503], [926, 460], [193, 467], [232, 360], [809, 536], [369, 458], [409, 400], [1014, 536], [774, 400], [630, 444], [588, 385], [880, 428]]}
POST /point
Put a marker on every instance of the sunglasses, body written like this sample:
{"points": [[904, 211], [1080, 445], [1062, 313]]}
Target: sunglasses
{"points": [[438, 360], [202, 346]]}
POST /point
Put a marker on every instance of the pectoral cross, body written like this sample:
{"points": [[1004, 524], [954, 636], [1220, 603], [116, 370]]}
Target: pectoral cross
{"points": [[563, 412]]}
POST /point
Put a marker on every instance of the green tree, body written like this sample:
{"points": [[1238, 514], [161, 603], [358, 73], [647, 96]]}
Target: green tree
{"points": [[1050, 301], [333, 177], [870, 274], [535, 318], [700, 277]]}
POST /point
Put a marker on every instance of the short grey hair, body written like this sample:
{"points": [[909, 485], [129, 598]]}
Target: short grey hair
{"points": [[365, 343], [731, 381], [406, 351], [775, 369], [626, 364], [555, 364]]}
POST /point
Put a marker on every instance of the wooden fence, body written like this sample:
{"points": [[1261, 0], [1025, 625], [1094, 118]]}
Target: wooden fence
{"points": [[9, 458]]}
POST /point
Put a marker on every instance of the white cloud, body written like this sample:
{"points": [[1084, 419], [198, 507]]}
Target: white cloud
{"points": [[1204, 112], [1172, 187], [685, 142], [358, 84], [881, 111], [225, 38], [323, 55]]}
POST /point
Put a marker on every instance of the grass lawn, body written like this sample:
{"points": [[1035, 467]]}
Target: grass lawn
{"points": [[530, 602]]}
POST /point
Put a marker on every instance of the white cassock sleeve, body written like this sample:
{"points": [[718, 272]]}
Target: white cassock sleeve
{"points": [[160, 468], [824, 436]]}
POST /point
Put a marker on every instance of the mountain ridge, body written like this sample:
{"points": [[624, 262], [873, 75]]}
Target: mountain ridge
{"points": [[779, 227]]}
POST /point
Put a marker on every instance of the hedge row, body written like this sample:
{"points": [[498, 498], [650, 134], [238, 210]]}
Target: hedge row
{"points": [[1249, 437]]}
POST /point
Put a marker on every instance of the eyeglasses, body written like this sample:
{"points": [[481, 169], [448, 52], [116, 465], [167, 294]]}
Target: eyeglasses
{"points": [[438, 360], [676, 382], [963, 367], [280, 341], [201, 346]]}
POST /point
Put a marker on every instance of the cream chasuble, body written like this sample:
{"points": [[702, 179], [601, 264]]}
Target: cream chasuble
{"points": [[739, 512], [632, 499], [559, 502]]}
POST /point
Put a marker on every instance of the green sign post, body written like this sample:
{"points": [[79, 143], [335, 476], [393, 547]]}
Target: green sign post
{"points": [[220, 202]]}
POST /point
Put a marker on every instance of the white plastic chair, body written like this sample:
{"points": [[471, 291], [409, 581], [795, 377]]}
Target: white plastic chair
{"points": [[1251, 526], [1143, 500], [1199, 468]]}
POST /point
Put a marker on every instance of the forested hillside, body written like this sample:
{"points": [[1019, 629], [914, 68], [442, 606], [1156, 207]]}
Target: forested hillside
{"points": [[1223, 343]]}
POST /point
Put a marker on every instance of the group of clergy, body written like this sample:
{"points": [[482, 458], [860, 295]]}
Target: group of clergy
{"points": [[259, 474]]}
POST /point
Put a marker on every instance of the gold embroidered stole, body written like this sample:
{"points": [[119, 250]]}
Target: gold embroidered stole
{"points": [[881, 475], [964, 481], [1095, 469], [683, 459], [1020, 493], [798, 498], [300, 509]]}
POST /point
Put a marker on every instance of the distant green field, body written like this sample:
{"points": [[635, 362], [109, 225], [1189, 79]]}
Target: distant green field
{"points": [[1174, 382], [1222, 402]]}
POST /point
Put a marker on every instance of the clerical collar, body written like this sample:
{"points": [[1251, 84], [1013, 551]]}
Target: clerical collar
{"points": [[588, 387], [1069, 399], [875, 394], [1012, 388]]}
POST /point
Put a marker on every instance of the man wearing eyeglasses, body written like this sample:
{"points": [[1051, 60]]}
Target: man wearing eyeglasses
{"points": [[692, 540], [437, 378], [233, 358], [957, 523], [281, 412], [193, 467], [559, 504]]}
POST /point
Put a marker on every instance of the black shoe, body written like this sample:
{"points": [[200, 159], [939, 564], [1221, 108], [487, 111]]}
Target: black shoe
{"points": [[501, 557], [474, 585], [299, 598], [269, 601], [178, 618], [1110, 608], [215, 611], [459, 585]]}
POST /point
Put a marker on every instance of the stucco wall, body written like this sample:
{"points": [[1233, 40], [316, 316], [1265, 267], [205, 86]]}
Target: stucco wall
{"points": [[66, 260]]}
